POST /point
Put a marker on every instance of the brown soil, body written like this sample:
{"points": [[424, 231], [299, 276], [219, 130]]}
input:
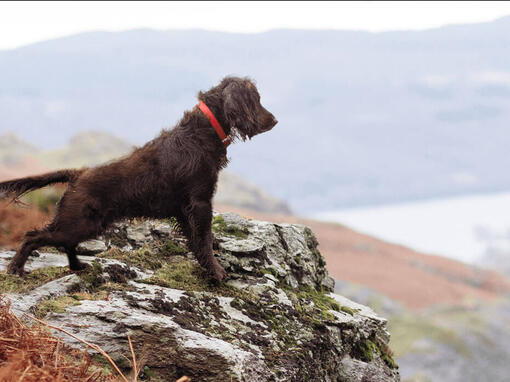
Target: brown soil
{"points": [[414, 279]]}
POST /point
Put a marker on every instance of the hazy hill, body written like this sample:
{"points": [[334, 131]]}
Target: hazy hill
{"points": [[364, 117]]}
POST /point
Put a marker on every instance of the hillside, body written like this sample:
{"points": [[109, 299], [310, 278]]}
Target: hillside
{"points": [[370, 117]]}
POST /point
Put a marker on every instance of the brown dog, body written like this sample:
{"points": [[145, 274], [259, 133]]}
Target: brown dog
{"points": [[172, 175]]}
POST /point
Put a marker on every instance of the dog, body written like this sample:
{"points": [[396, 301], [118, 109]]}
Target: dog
{"points": [[174, 175]]}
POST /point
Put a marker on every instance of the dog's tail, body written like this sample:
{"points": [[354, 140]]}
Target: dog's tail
{"points": [[18, 187]]}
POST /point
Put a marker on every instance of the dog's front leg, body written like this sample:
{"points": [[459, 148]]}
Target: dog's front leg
{"points": [[199, 218]]}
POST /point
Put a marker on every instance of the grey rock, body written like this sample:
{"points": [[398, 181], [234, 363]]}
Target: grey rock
{"points": [[139, 234], [359, 371], [44, 259], [275, 319], [91, 247]]}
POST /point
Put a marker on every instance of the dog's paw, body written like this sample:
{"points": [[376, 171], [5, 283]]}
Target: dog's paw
{"points": [[218, 272], [79, 266], [15, 270]]}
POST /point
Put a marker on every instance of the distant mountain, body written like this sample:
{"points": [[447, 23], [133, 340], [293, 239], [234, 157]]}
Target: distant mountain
{"points": [[13, 149], [364, 117], [90, 148]]}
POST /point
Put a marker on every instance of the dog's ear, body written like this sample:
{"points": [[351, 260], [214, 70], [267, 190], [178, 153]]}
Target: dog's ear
{"points": [[240, 108]]}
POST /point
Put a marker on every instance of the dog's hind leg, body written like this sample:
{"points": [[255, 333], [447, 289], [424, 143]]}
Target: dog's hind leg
{"points": [[33, 240], [197, 226], [37, 239], [74, 263]]}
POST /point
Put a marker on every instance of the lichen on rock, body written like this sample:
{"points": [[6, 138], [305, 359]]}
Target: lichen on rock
{"points": [[274, 319]]}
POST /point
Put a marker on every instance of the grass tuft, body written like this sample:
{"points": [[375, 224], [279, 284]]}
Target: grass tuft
{"points": [[219, 225], [34, 279], [57, 305]]}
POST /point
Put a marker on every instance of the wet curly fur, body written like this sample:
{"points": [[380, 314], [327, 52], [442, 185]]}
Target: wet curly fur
{"points": [[174, 175]]}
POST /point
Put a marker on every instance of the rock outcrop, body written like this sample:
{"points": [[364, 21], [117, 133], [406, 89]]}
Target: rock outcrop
{"points": [[275, 319]]}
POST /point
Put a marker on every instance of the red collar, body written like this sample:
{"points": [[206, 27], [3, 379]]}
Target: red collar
{"points": [[214, 122]]}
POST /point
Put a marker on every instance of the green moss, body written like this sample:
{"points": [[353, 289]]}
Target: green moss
{"points": [[188, 275], [112, 287], [170, 248], [389, 361], [34, 279], [147, 257], [92, 276], [57, 305], [144, 258], [348, 310], [219, 225], [364, 350], [270, 271], [322, 304], [101, 363], [319, 298], [184, 275], [99, 295]]}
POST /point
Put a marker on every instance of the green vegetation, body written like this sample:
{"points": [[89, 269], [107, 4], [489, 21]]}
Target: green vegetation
{"points": [[34, 279], [348, 310], [219, 225], [170, 248], [147, 257], [388, 359], [99, 295], [185, 275], [270, 271], [408, 329], [101, 363], [45, 198], [364, 350], [92, 276], [188, 275], [323, 302], [57, 305]]}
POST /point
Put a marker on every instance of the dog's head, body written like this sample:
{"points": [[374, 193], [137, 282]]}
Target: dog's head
{"points": [[242, 110]]}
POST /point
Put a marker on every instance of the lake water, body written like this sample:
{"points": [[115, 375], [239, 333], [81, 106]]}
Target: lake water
{"points": [[462, 228]]}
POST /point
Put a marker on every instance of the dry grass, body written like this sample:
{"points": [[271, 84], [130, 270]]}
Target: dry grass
{"points": [[32, 211], [16, 220], [31, 354]]}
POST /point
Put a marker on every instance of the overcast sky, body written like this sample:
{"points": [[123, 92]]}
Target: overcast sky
{"points": [[23, 23]]}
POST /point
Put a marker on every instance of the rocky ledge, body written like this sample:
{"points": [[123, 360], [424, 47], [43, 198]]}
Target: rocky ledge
{"points": [[274, 319]]}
